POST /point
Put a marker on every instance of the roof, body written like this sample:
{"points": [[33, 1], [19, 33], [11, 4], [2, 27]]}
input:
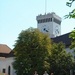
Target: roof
{"points": [[64, 39], [6, 55], [4, 48], [5, 51]]}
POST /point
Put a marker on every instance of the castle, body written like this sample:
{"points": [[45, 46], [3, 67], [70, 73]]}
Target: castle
{"points": [[49, 24]]}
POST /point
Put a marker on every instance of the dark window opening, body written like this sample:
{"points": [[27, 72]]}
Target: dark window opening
{"points": [[45, 20], [57, 21], [9, 69], [3, 70]]}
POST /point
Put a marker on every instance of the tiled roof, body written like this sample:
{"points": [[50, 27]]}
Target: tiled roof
{"points": [[11, 54], [6, 55], [4, 48], [63, 38], [5, 51]]}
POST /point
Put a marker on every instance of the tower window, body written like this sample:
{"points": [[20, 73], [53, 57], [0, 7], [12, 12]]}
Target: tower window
{"points": [[57, 21], [38, 21], [45, 20], [50, 19]]}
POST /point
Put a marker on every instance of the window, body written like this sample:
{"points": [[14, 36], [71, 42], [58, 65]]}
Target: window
{"points": [[3, 70], [50, 19], [9, 70], [57, 21], [45, 20]]}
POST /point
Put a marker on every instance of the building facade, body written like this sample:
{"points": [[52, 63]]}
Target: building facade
{"points": [[50, 24], [6, 60]]}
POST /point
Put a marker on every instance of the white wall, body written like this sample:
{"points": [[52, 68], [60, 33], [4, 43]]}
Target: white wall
{"points": [[2, 64], [5, 63]]}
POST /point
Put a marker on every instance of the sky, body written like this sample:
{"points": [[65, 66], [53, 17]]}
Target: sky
{"points": [[18, 15]]}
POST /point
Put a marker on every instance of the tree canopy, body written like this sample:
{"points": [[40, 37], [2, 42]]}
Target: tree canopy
{"points": [[32, 50], [72, 35], [60, 61], [35, 51], [71, 15]]}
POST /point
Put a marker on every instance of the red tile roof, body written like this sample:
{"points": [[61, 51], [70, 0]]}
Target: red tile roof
{"points": [[4, 48], [5, 51]]}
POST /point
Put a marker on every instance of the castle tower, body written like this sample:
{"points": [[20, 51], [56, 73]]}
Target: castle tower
{"points": [[49, 23]]}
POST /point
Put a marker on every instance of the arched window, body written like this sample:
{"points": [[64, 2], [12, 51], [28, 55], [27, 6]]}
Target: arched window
{"points": [[9, 70]]}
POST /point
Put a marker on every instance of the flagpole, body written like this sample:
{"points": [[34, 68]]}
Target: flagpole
{"points": [[45, 6]]}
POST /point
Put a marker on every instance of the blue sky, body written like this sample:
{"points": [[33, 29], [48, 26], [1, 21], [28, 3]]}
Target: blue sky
{"points": [[18, 15]]}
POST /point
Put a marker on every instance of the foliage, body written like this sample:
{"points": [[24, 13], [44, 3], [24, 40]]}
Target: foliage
{"points": [[32, 49], [72, 36], [70, 3], [72, 13], [60, 61]]}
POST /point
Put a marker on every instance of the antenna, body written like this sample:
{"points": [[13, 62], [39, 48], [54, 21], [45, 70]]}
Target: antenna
{"points": [[45, 6]]}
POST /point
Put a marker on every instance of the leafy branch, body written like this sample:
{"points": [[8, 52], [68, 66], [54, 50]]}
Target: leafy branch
{"points": [[72, 13]]}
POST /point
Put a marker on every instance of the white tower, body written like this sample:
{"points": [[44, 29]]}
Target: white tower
{"points": [[49, 23]]}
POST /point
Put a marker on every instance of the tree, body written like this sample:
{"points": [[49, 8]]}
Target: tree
{"points": [[72, 13], [72, 46], [31, 49], [72, 35], [60, 61]]}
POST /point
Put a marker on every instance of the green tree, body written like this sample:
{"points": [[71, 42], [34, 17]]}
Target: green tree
{"points": [[31, 49], [72, 35], [72, 46], [72, 13], [60, 61]]}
